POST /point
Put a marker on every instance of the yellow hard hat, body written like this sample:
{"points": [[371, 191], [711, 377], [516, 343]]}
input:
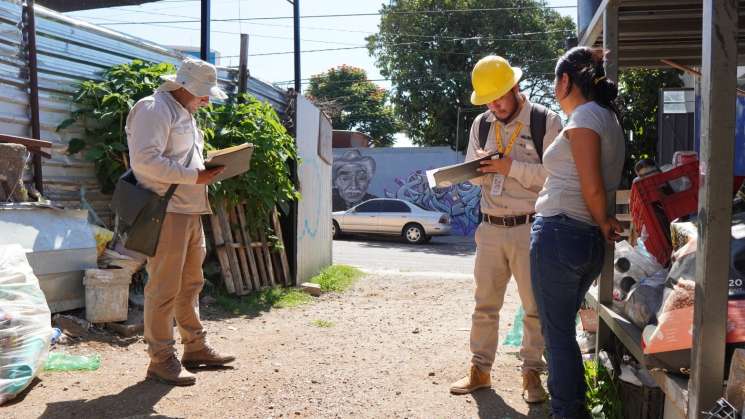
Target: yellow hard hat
{"points": [[491, 78]]}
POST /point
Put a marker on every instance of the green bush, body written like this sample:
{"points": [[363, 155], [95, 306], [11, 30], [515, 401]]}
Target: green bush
{"points": [[602, 396], [102, 108], [268, 183], [337, 278]]}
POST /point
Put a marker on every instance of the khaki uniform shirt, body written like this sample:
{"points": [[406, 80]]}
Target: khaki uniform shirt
{"points": [[527, 175], [160, 133]]}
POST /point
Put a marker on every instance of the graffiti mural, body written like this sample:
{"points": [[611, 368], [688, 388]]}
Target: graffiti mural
{"points": [[460, 201], [351, 176], [359, 174]]}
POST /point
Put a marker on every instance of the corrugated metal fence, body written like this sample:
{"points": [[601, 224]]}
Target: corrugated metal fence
{"points": [[70, 51]]}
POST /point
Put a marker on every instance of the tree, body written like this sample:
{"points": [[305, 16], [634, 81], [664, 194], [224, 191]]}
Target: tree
{"points": [[353, 102], [639, 103], [428, 51]]}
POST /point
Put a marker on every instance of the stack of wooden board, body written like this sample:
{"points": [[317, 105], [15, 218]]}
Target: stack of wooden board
{"points": [[249, 262]]}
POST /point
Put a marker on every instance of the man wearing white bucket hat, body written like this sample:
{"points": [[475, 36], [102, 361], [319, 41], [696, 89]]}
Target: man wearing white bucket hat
{"points": [[166, 148]]}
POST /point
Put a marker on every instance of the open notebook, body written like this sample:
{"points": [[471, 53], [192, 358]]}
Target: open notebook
{"points": [[236, 159]]}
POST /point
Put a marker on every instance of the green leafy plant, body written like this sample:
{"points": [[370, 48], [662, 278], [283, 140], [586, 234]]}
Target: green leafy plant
{"points": [[268, 183], [337, 278], [102, 108], [602, 395]]}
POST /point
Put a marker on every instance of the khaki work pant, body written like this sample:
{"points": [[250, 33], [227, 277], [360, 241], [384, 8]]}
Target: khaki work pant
{"points": [[501, 253], [175, 279]]}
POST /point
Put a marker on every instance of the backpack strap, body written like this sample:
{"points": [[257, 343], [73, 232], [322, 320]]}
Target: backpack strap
{"points": [[484, 128], [538, 115]]}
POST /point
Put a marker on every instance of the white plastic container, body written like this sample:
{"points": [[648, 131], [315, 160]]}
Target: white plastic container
{"points": [[106, 295]]}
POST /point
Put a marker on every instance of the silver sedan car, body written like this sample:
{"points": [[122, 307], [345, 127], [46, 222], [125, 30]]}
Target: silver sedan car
{"points": [[391, 217]]}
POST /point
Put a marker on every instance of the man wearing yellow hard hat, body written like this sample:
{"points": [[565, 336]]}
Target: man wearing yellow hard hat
{"points": [[518, 131]]}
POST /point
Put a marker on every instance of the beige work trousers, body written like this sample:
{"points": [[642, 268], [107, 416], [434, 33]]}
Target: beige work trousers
{"points": [[501, 253], [175, 279]]}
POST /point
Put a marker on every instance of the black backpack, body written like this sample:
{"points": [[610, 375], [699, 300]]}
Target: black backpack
{"points": [[538, 115]]}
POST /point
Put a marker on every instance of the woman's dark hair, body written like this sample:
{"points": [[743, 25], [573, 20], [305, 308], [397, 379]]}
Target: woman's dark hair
{"points": [[584, 66]]}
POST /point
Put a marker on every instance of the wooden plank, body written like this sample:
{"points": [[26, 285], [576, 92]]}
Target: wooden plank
{"points": [[267, 257], [263, 274], [232, 257], [283, 254], [595, 27], [240, 251], [627, 332], [248, 241], [623, 197], [719, 69], [675, 388], [222, 254], [28, 142], [609, 11]]}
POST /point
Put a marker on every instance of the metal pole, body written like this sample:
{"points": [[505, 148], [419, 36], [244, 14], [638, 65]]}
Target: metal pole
{"points": [[204, 46], [457, 135], [243, 66], [30, 29], [718, 99], [296, 25], [605, 286]]}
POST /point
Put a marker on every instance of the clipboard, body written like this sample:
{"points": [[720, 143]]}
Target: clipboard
{"points": [[457, 173], [236, 160]]}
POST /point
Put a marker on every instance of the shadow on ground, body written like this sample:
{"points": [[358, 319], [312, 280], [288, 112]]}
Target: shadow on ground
{"points": [[138, 400], [492, 406]]}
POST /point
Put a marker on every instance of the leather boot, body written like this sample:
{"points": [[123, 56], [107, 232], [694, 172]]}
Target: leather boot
{"points": [[475, 380], [170, 372], [207, 357], [533, 391]]}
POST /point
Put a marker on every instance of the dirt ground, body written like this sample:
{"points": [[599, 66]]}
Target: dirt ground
{"points": [[396, 343]]}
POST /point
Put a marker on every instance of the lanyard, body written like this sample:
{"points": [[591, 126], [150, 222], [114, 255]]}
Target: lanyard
{"points": [[498, 135]]}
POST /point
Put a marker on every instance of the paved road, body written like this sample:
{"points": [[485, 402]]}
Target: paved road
{"points": [[446, 255]]}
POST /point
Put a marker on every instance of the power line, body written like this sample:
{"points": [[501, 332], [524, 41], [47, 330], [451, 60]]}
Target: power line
{"points": [[352, 15]]}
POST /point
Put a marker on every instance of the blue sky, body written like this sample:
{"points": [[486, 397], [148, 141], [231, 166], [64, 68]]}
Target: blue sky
{"points": [[265, 36]]}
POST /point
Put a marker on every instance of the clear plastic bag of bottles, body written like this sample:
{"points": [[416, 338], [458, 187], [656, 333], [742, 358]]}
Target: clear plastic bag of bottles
{"points": [[25, 323]]}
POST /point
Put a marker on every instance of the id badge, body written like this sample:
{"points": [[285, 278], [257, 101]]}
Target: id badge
{"points": [[497, 185]]}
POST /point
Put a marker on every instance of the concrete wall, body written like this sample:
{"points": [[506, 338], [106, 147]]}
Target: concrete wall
{"points": [[314, 173], [360, 174]]}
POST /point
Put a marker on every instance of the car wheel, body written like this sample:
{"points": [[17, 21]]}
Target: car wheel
{"points": [[335, 230], [414, 233]]}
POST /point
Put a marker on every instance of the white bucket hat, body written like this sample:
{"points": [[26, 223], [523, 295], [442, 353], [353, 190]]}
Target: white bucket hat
{"points": [[196, 76]]}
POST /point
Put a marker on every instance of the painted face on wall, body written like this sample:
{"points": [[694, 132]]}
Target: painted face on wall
{"points": [[352, 181]]}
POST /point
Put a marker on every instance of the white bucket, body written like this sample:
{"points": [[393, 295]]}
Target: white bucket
{"points": [[106, 294]]}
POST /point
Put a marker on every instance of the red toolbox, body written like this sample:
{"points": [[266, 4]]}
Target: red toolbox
{"points": [[658, 199]]}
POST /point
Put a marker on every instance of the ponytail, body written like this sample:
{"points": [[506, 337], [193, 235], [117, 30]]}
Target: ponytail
{"points": [[585, 69]]}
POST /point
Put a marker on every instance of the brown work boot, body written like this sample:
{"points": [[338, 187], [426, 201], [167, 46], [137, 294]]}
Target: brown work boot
{"points": [[475, 380], [206, 357], [533, 391], [170, 372]]}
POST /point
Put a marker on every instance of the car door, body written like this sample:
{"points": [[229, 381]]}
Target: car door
{"points": [[363, 218], [394, 215]]}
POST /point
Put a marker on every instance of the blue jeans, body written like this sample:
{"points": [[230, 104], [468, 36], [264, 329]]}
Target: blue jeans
{"points": [[566, 256]]}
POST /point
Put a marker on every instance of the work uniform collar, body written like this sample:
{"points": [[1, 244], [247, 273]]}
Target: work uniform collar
{"points": [[167, 96], [523, 115]]}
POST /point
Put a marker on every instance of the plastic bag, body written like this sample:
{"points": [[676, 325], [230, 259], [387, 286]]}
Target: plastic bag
{"points": [[644, 300], [60, 361], [25, 323]]}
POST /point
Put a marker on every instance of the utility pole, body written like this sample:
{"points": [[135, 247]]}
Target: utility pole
{"points": [[204, 48], [243, 66], [296, 26]]}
